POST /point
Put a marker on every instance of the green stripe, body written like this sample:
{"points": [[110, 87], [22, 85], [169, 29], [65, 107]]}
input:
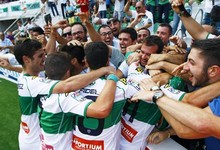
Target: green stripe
{"points": [[29, 105], [56, 123], [146, 112]]}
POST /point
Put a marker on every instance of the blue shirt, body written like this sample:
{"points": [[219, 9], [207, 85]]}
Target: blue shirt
{"points": [[213, 143]]}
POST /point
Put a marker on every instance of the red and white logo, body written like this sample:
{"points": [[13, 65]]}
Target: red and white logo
{"points": [[79, 144], [127, 132], [25, 127]]}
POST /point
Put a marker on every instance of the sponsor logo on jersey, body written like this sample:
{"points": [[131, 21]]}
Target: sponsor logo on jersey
{"points": [[139, 69], [44, 145], [33, 77], [80, 143], [20, 86], [45, 80], [25, 127], [89, 91], [123, 80], [134, 84], [76, 95], [127, 132]]}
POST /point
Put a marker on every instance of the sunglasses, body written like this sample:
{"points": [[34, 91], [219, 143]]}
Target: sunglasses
{"points": [[65, 34], [106, 33]]}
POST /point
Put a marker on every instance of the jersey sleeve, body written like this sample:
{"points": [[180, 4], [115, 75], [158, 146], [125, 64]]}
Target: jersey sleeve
{"points": [[40, 86], [124, 68], [75, 104]]}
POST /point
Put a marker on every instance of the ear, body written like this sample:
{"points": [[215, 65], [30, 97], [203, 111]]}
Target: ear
{"points": [[214, 71], [26, 59], [73, 61]]}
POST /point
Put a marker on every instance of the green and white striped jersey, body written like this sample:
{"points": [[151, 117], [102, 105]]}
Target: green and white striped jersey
{"points": [[138, 119], [57, 119], [31, 91], [103, 134]]}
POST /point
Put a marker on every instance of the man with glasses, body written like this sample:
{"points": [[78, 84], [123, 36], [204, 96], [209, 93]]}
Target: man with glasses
{"points": [[107, 36], [147, 17], [79, 32], [67, 34], [115, 25]]}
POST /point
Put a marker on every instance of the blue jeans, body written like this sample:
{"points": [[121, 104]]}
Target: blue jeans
{"points": [[152, 9], [102, 14], [207, 20], [176, 20]]}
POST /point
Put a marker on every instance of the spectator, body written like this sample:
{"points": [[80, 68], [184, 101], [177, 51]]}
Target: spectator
{"points": [[53, 6], [6, 46]]}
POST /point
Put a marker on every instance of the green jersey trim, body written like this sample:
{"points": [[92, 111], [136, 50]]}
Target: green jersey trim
{"points": [[86, 108]]}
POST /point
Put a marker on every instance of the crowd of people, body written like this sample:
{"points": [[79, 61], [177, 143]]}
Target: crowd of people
{"points": [[115, 87]]}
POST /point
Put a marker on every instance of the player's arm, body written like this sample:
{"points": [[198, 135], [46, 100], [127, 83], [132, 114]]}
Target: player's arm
{"points": [[202, 96], [103, 104], [79, 81]]}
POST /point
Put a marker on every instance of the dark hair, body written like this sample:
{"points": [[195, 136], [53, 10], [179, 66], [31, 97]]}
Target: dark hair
{"points": [[79, 23], [56, 65], [131, 31], [166, 25], [74, 51], [112, 20], [210, 49], [146, 29], [26, 48], [103, 26], [39, 30], [97, 55], [154, 40]]}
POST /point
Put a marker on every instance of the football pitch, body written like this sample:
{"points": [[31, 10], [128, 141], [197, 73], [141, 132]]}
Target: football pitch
{"points": [[10, 115]]}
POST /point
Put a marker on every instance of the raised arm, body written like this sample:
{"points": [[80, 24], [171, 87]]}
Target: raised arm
{"points": [[126, 8], [192, 26]]}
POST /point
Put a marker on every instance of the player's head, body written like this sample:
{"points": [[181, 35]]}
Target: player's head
{"points": [[77, 57], [57, 66], [97, 55], [30, 54]]}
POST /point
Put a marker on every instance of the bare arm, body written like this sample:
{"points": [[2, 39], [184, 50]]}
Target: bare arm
{"points": [[176, 59], [5, 64], [194, 119], [103, 104], [79, 81], [137, 20], [126, 8], [94, 35], [201, 97], [194, 28]]}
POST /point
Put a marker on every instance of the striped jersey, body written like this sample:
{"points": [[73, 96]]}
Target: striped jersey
{"points": [[102, 134], [31, 91]]}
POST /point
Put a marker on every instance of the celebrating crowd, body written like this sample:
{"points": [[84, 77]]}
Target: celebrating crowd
{"points": [[114, 87]]}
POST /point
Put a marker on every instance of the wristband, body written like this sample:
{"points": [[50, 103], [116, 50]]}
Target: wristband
{"points": [[183, 11], [113, 77]]}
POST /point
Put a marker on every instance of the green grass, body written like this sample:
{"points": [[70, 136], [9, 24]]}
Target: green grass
{"points": [[9, 115]]}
